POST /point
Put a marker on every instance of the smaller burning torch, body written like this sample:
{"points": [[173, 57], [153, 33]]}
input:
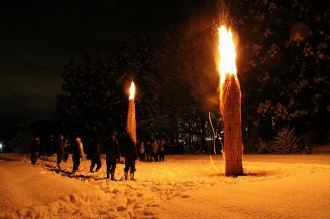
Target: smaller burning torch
{"points": [[131, 120]]}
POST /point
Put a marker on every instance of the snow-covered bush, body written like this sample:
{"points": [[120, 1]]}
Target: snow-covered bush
{"points": [[286, 141]]}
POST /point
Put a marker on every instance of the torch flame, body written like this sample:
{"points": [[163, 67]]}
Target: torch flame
{"points": [[131, 91], [227, 60], [230, 104]]}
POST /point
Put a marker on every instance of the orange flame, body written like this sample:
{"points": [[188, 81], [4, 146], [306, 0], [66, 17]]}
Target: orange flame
{"points": [[227, 60], [131, 91]]}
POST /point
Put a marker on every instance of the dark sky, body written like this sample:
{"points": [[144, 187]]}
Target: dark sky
{"points": [[38, 37]]}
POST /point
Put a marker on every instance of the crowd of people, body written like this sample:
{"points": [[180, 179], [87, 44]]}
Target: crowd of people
{"points": [[62, 148], [150, 151], [113, 148]]}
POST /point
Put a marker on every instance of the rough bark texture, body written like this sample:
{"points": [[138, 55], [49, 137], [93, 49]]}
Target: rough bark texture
{"points": [[131, 121], [230, 108]]}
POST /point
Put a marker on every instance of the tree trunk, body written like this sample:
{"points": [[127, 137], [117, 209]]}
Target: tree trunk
{"points": [[230, 107], [131, 121]]}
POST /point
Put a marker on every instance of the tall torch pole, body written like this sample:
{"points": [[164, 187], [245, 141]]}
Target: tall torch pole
{"points": [[131, 121], [230, 104]]}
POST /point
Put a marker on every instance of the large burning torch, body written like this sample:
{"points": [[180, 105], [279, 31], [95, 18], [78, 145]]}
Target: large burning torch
{"points": [[230, 104], [131, 121]]}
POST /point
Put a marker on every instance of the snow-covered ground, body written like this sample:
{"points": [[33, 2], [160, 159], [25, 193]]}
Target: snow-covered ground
{"points": [[184, 186]]}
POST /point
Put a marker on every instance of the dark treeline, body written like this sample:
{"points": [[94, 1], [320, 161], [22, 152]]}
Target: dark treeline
{"points": [[175, 85], [283, 68]]}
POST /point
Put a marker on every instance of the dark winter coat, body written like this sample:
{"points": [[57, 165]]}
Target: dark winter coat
{"points": [[50, 146], [111, 149], [162, 148], [96, 148], [77, 151], [59, 146], [129, 148], [35, 146], [148, 148]]}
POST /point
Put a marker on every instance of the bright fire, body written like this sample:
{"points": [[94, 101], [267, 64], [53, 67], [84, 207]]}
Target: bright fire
{"points": [[227, 60], [131, 91]]}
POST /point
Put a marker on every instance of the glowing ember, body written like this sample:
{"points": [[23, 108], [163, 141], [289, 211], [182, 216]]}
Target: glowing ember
{"points": [[131, 91]]}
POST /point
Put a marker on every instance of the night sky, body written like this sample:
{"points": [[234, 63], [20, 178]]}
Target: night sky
{"points": [[39, 37]]}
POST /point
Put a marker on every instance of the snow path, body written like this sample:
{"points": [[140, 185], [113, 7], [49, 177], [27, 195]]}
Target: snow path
{"points": [[184, 186]]}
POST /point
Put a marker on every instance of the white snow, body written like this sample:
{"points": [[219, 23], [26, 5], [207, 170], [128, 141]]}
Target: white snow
{"points": [[184, 186]]}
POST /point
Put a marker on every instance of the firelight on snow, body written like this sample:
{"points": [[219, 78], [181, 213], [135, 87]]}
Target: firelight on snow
{"points": [[230, 104]]}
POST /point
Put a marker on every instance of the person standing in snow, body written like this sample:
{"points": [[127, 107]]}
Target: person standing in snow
{"points": [[67, 149], [50, 146], [59, 146], [35, 148], [112, 153], [130, 155], [77, 154], [162, 150], [155, 150], [142, 152], [148, 151], [96, 154]]}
